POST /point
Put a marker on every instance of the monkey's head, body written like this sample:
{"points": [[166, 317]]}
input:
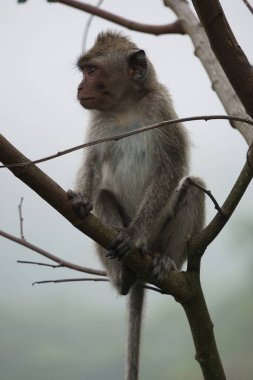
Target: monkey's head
{"points": [[115, 73]]}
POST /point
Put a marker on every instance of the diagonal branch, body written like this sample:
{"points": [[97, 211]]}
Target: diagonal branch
{"points": [[174, 27], [199, 243], [52, 257], [209, 194], [248, 5], [219, 80], [176, 283], [227, 50], [127, 134]]}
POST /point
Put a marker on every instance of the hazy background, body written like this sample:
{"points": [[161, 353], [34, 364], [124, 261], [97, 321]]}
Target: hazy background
{"points": [[77, 330]]}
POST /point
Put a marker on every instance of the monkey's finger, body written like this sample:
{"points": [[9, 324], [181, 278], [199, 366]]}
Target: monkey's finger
{"points": [[119, 252], [71, 194], [115, 242], [84, 210]]}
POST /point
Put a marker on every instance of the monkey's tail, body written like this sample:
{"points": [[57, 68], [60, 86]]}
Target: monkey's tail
{"points": [[135, 308]]}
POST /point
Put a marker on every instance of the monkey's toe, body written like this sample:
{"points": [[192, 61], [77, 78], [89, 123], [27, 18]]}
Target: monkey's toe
{"points": [[119, 247], [81, 205], [161, 266]]}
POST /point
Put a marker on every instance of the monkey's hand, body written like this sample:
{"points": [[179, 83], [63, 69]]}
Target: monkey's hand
{"points": [[79, 203], [161, 266], [124, 244]]}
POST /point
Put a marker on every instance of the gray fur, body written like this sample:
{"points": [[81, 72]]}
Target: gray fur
{"points": [[132, 182]]}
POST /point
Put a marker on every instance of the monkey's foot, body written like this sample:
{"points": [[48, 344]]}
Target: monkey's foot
{"points": [[120, 247], [81, 205], [124, 244], [161, 266]]}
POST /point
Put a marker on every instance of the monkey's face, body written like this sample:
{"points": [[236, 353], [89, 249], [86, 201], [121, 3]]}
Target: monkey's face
{"points": [[92, 92], [113, 82]]}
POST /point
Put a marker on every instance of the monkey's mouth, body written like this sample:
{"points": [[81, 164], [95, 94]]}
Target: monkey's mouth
{"points": [[86, 101]]}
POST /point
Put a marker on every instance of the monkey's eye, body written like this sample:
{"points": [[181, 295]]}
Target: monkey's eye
{"points": [[90, 69]]}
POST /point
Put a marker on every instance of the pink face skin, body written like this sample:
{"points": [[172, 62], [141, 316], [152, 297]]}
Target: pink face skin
{"points": [[92, 92]]}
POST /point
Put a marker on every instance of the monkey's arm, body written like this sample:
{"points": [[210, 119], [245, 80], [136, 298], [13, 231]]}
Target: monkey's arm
{"points": [[83, 197], [156, 207]]}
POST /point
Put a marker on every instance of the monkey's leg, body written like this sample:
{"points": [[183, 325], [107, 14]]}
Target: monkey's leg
{"points": [[109, 211], [186, 220]]}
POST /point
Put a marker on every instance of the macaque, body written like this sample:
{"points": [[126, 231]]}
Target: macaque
{"points": [[136, 184]]}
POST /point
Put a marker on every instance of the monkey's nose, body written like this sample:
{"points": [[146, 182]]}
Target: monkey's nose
{"points": [[80, 87]]}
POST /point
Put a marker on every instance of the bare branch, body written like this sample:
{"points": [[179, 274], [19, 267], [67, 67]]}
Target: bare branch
{"points": [[62, 262], [248, 5], [21, 219], [227, 50], [90, 279], [219, 81], [127, 134], [199, 243], [208, 192], [87, 27], [176, 283], [70, 280], [174, 27], [42, 264]]}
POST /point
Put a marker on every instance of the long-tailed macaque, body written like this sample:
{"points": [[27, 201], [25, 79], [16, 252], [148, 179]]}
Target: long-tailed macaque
{"points": [[134, 184]]}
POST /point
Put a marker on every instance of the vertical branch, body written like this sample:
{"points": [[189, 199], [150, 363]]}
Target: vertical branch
{"points": [[202, 332], [87, 27], [21, 219]]}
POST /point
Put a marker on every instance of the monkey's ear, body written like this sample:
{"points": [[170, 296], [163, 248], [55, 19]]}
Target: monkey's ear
{"points": [[137, 63]]}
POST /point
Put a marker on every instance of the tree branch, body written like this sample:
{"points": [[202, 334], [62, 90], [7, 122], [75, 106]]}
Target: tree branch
{"points": [[220, 82], [176, 283], [127, 134], [248, 5], [41, 264], [227, 50], [52, 257], [199, 243], [183, 286], [202, 332], [174, 27], [87, 27], [21, 219], [209, 194], [70, 280]]}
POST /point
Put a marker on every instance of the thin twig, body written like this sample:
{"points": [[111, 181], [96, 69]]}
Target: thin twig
{"points": [[210, 195], [87, 27], [198, 243], [70, 280], [153, 288], [42, 264], [174, 27], [130, 133], [248, 5], [21, 219], [62, 262]]}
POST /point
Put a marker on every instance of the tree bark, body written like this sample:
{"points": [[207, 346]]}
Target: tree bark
{"points": [[227, 50], [219, 81]]}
